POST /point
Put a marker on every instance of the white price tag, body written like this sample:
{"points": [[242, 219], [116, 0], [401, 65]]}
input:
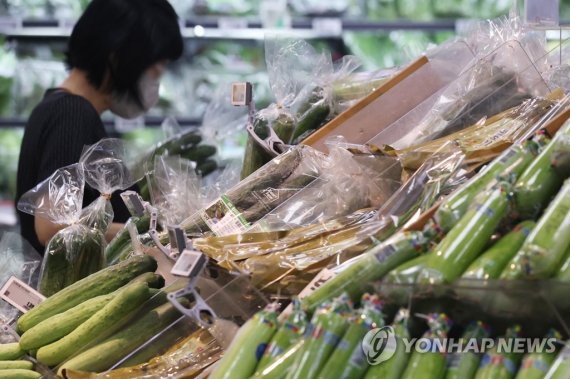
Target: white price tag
{"points": [[321, 278], [327, 25], [9, 24], [190, 263], [231, 23], [123, 125], [20, 295]]}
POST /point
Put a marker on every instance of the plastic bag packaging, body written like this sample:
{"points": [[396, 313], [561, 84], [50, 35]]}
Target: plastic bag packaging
{"points": [[560, 368], [353, 178], [105, 170], [501, 363], [253, 198], [76, 250]]}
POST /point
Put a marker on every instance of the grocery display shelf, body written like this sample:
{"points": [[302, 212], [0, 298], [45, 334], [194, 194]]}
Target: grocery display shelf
{"points": [[233, 27], [150, 121]]}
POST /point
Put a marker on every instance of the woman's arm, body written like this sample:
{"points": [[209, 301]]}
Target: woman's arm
{"points": [[114, 228], [46, 229]]}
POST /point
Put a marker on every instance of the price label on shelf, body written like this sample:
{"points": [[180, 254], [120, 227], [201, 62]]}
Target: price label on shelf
{"points": [[226, 23], [327, 25], [20, 295], [9, 24]]}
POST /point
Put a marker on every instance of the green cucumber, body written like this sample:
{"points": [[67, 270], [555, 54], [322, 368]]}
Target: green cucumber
{"points": [[100, 283], [10, 365], [465, 242], [511, 164], [492, 262], [311, 111], [19, 374], [544, 251], [126, 301], [199, 153], [105, 354], [123, 238], [153, 280], [206, 167], [563, 274], [11, 351], [278, 368], [464, 365]]}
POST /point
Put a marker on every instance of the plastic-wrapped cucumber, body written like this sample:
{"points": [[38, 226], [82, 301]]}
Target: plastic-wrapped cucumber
{"points": [[348, 360], [241, 358], [544, 251], [464, 365], [123, 239], [509, 165], [500, 365], [564, 274], [312, 111], [288, 334], [395, 366], [465, 242], [535, 365], [372, 265], [492, 262], [560, 369], [328, 325], [560, 158], [280, 365], [407, 273], [538, 183], [206, 167], [431, 364]]}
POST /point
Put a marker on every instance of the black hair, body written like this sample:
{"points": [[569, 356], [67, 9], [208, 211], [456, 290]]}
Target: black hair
{"points": [[123, 38]]}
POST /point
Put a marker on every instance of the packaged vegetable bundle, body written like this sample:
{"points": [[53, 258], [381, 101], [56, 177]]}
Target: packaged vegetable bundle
{"points": [[464, 364], [291, 331], [328, 325], [348, 360], [535, 365], [560, 368], [77, 249], [395, 366], [241, 358], [427, 361], [497, 364], [546, 248]]}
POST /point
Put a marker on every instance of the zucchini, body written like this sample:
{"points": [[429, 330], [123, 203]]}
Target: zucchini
{"points": [[105, 354], [492, 262], [537, 184], [126, 301], [11, 351], [465, 242], [100, 283], [123, 238], [9, 365], [511, 164], [19, 374], [544, 251]]}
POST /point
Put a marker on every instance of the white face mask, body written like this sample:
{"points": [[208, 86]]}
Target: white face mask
{"points": [[126, 107]]}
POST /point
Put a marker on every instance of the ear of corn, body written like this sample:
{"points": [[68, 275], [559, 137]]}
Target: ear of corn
{"points": [[288, 334], [241, 358], [328, 325], [395, 366], [348, 359], [465, 242], [372, 265], [492, 262], [544, 251], [464, 365]]}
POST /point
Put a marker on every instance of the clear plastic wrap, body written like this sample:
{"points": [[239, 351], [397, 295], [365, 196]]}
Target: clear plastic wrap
{"points": [[76, 250], [105, 170]]}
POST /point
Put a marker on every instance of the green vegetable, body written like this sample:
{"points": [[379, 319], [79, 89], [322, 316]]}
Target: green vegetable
{"points": [[348, 359], [280, 366], [464, 365], [560, 158], [100, 283], [544, 251], [372, 265], [126, 301], [311, 113], [537, 184], [288, 334], [564, 273], [560, 369], [11, 351], [9, 365], [465, 242], [19, 374], [328, 325], [241, 358], [206, 167], [394, 367], [510, 165], [72, 254], [408, 272], [535, 365], [500, 365], [123, 239], [108, 352], [430, 364], [492, 262], [199, 153]]}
